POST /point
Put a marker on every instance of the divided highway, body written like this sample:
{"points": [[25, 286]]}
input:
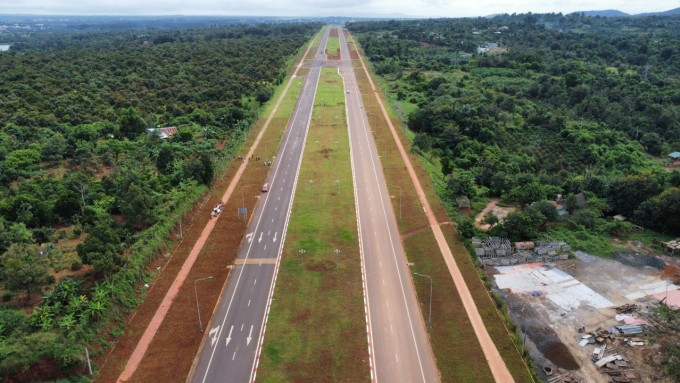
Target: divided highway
{"points": [[398, 341], [399, 349], [230, 350]]}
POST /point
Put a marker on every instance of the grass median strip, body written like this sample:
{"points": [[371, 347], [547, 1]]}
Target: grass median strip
{"points": [[333, 44], [316, 329]]}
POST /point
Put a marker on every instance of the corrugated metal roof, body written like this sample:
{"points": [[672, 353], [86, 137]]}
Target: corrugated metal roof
{"points": [[629, 329]]}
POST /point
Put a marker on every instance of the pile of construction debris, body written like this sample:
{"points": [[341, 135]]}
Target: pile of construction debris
{"points": [[565, 378], [610, 362], [627, 309], [609, 345], [617, 368]]}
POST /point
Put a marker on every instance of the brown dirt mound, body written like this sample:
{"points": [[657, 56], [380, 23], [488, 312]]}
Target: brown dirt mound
{"points": [[331, 57], [326, 152], [323, 266]]}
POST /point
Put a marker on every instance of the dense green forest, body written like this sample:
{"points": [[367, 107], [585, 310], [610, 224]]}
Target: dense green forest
{"points": [[529, 107], [88, 195]]}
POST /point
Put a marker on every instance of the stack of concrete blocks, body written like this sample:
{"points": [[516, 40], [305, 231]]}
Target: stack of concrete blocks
{"points": [[479, 251], [555, 249], [496, 247], [524, 256], [493, 251]]}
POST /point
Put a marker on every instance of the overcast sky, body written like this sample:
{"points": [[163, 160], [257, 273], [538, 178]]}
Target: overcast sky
{"points": [[426, 8]]}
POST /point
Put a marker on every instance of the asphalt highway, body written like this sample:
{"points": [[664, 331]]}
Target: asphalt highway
{"points": [[398, 341], [230, 350]]}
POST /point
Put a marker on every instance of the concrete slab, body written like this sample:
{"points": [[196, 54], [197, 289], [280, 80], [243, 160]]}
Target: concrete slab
{"points": [[559, 287]]}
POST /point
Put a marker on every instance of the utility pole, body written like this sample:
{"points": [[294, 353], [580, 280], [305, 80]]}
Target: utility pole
{"points": [[384, 160], [89, 364], [429, 322], [198, 309], [399, 187]]}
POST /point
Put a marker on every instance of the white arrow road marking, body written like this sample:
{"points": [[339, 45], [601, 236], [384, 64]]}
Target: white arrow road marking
{"points": [[213, 335], [275, 234], [260, 239], [249, 338], [249, 236], [229, 336]]}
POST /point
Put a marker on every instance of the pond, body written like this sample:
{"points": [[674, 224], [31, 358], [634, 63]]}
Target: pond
{"points": [[4, 47]]}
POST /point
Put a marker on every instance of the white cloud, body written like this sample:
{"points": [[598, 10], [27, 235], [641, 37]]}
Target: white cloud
{"points": [[425, 8]]}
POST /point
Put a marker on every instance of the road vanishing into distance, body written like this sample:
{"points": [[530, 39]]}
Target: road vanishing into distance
{"points": [[398, 345], [398, 340], [230, 350]]}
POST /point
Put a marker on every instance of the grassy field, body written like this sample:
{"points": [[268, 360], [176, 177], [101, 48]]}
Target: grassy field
{"points": [[333, 46], [316, 330], [458, 353]]}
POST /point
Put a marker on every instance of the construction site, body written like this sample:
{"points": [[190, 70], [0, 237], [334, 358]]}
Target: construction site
{"points": [[587, 319]]}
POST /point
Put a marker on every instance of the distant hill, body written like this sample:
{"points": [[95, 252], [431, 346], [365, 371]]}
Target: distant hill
{"points": [[672, 12], [606, 13], [617, 13]]}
